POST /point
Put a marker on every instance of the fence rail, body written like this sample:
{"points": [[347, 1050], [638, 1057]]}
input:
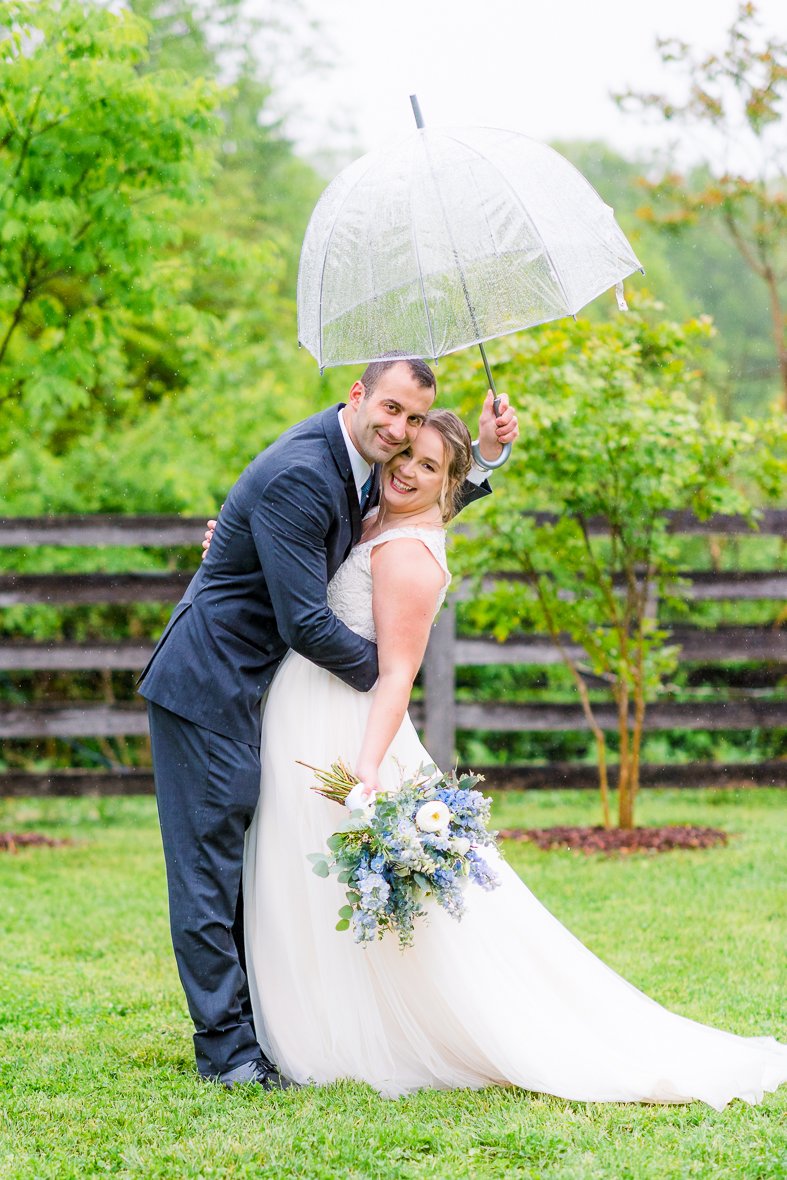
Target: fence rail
{"points": [[166, 531], [564, 775], [698, 645], [128, 588], [440, 713], [125, 719]]}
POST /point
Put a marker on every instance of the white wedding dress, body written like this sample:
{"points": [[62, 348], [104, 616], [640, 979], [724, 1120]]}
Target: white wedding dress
{"points": [[505, 996]]}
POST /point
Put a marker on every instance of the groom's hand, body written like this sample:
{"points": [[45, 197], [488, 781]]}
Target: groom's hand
{"points": [[495, 431]]}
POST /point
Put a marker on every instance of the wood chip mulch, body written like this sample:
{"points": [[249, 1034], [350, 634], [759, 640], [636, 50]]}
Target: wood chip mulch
{"points": [[11, 841], [621, 840]]}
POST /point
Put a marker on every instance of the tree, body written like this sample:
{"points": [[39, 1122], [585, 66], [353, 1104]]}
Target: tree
{"points": [[248, 50], [97, 160], [175, 305], [735, 100], [611, 432], [697, 267]]}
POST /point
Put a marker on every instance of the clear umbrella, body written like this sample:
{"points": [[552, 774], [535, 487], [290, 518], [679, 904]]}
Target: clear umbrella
{"points": [[451, 237]]}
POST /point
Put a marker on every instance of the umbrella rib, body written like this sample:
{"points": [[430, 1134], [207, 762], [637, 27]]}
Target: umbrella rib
{"points": [[367, 358], [520, 202], [342, 203], [401, 285], [455, 251], [486, 215], [414, 237]]}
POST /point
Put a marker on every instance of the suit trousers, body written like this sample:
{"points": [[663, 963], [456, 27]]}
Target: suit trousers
{"points": [[207, 787]]}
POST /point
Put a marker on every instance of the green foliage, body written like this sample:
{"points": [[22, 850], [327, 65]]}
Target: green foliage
{"points": [[691, 269], [611, 429], [96, 160], [735, 98], [155, 353]]}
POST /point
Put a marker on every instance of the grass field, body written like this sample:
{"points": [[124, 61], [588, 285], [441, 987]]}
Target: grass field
{"points": [[96, 1073]]}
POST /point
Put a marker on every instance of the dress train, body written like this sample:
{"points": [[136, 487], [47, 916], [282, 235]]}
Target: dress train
{"points": [[505, 996]]}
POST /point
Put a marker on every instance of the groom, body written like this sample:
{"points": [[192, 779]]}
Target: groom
{"points": [[285, 528]]}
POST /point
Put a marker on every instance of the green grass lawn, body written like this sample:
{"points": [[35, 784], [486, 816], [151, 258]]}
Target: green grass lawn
{"points": [[96, 1072]]}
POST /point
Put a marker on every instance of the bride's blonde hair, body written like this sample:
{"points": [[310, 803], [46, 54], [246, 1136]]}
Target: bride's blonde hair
{"points": [[458, 458]]}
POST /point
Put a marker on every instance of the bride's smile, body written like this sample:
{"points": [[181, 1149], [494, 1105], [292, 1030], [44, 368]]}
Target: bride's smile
{"points": [[413, 480]]}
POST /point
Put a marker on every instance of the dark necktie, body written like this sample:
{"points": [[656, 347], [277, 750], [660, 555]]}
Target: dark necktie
{"points": [[366, 492]]}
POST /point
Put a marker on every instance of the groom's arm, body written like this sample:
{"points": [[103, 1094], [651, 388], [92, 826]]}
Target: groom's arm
{"points": [[290, 523], [473, 490]]}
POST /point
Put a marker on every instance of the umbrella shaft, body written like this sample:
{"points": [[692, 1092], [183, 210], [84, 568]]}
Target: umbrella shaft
{"points": [[419, 122], [489, 377]]}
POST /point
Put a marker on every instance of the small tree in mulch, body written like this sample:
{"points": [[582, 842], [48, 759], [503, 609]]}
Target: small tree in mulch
{"points": [[13, 841], [612, 427], [619, 840]]}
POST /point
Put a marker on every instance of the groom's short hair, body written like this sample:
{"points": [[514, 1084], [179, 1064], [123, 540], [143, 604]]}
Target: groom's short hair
{"points": [[419, 371]]}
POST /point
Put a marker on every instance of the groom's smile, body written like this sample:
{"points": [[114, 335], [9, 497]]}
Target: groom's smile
{"points": [[384, 420]]}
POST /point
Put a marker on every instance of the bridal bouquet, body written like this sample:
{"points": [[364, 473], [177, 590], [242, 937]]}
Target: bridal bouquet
{"points": [[418, 842]]}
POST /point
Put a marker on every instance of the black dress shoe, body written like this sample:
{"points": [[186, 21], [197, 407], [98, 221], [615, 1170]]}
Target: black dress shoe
{"points": [[260, 1073], [271, 1079]]}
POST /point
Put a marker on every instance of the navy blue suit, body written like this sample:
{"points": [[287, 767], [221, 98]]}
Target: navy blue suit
{"points": [[285, 528]]}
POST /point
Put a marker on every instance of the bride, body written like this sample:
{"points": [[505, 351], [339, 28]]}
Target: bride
{"points": [[506, 996]]}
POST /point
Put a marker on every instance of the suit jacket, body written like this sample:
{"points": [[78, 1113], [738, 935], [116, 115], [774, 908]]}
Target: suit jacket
{"points": [[285, 528]]}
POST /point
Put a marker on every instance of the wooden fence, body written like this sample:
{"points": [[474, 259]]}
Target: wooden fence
{"points": [[440, 714]]}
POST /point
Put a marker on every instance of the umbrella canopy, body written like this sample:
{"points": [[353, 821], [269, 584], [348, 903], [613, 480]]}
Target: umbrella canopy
{"points": [[448, 238]]}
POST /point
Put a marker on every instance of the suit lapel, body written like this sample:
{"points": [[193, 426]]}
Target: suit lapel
{"points": [[338, 449], [355, 508]]}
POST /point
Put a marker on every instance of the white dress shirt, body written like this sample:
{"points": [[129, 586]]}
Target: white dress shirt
{"points": [[360, 468]]}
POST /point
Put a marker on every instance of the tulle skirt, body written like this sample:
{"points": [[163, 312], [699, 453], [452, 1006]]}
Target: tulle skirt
{"points": [[505, 996]]}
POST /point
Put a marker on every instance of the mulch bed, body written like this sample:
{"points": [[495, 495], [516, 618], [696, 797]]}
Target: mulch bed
{"points": [[621, 840], [11, 841]]}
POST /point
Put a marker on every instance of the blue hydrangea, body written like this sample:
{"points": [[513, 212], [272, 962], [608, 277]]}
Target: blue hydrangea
{"points": [[393, 870], [480, 871]]}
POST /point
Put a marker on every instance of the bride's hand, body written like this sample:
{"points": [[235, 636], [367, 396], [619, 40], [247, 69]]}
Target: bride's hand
{"points": [[371, 784], [209, 531]]}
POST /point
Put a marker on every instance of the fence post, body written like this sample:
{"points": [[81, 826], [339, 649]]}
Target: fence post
{"points": [[439, 689]]}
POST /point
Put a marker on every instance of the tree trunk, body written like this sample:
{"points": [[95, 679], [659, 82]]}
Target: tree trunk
{"points": [[625, 809], [587, 708], [636, 742], [648, 609], [603, 780], [625, 804], [598, 735], [601, 744]]}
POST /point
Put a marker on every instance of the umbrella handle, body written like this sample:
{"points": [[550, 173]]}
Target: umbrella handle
{"points": [[491, 464]]}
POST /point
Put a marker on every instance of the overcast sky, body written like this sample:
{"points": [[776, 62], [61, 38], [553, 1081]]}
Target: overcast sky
{"points": [[543, 68]]}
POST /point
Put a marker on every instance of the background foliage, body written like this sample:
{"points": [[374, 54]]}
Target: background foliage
{"points": [[151, 213], [151, 216]]}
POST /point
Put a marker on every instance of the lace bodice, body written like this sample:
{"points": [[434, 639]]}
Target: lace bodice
{"points": [[350, 589]]}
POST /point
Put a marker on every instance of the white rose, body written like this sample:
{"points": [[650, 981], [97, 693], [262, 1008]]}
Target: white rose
{"points": [[432, 817], [358, 800], [461, 845]]}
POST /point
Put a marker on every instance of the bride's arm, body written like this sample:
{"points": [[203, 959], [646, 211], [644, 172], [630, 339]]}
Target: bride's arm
{"points": [[406, 582]]}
